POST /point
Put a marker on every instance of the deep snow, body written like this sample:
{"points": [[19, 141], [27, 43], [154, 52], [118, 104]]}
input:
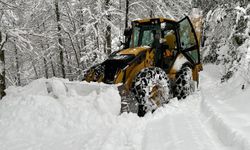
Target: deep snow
{"points": [[226, 107], [46, 115]]}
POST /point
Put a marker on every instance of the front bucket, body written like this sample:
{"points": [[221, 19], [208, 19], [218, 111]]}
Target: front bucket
{"points": [[128, 101]]}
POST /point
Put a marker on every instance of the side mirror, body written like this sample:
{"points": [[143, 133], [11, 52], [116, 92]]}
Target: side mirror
{"points": [[127, 32]]}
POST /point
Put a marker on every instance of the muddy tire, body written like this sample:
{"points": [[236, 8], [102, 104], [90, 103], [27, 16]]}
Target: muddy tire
{"points": [[184, 84], [151, 88]]}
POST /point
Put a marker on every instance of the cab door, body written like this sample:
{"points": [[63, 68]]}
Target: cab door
{"points": [[188, 43]]}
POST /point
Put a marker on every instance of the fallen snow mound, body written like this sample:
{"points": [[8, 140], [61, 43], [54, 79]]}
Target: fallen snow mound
{"points": [[57, 92], [55, 114], [54, 108]]}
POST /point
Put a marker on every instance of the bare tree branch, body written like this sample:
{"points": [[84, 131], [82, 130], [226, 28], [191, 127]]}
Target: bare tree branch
{"points": [[9, 5]]}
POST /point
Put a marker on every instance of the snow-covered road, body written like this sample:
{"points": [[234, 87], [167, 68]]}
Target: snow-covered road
{"points": [[226, 107], [215, 117], [180, 128]]}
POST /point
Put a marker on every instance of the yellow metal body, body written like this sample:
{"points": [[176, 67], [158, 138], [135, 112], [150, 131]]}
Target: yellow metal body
{"points": [[133, 51], [133, 69], [128, 74]]}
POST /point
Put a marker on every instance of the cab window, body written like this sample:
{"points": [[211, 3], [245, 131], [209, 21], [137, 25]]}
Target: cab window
{"points": [[147, 38], [188, 40]]}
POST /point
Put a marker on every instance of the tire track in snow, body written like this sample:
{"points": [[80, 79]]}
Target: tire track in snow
{"points": [[228, 135], [179, 127], [224, 119]]}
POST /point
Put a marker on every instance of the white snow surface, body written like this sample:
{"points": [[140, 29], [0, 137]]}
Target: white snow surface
{"points": [[56, 114]]}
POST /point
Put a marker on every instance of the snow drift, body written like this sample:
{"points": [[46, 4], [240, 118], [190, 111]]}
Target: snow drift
{"points": [[55, 114], [46, 111]]}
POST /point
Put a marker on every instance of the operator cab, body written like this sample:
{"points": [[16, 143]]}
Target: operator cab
{"points": [[159, 34], [145, 32], [166, 37]]}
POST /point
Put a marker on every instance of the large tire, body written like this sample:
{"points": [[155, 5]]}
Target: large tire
{"points": [[151, 88], [184, 84]]}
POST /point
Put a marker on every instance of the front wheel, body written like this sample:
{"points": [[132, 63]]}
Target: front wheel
{"points": [[151, 88]]}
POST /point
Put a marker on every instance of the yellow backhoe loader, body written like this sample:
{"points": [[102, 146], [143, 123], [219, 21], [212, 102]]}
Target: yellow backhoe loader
{"points": [[160, 60]]}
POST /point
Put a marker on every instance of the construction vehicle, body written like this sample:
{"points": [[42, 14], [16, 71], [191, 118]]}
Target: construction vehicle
{"points": [[160, 60]]}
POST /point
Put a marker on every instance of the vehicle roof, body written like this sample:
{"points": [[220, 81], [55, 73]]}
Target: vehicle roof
{"points": [[146, 20]]}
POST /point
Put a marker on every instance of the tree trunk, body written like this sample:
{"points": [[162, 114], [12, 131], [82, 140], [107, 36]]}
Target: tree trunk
{"points": [[18, 75], [74, 50], [52, 68], [84, 44], [108, 29], [126, 15], [120, 24], [2, 67], [68, 62], [45, 67], [34, 67], [69, 13], [97, 38], [151, 10], [83, 38], [58, 19]]}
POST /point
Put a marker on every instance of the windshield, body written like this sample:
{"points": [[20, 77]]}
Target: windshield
{"points": [[143, 35]]}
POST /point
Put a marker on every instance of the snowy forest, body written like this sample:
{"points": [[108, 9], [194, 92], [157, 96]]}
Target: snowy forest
{"points": [[61, 38], [47, 47]]}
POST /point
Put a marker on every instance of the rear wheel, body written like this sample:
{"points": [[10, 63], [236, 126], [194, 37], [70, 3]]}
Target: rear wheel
{"points": [[184, 83], [151, 88]]}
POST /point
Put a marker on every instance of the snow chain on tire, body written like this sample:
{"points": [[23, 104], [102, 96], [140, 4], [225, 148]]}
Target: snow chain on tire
{"points": [[184, 83], [151, 88]]}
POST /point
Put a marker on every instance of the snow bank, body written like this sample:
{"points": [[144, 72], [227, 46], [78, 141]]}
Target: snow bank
{"points": [[104, 97], [55, 114], [46, 113]]}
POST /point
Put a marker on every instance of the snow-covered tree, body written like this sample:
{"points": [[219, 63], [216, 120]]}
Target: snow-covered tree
{"points": [[44, 38], [226, 31]]}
